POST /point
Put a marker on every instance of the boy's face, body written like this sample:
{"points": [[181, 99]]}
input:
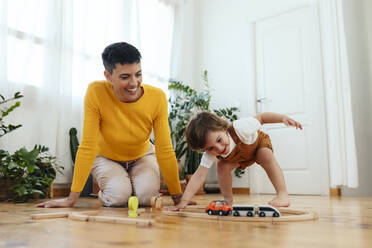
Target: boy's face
{"points": [[217, 143], [126, 80]]}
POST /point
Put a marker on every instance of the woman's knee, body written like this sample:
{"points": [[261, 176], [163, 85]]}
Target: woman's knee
{"points": [[145, 186], [116, 192], [146, 181], [144, 194]]}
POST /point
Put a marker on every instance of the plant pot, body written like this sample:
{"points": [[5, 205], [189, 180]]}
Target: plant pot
{"points": [[95, 188], [5, 192], [163, 185], [200, 190], [165, 191]]}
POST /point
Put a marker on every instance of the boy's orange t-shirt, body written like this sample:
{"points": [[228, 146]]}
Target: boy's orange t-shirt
{"points": [[121, 132]]}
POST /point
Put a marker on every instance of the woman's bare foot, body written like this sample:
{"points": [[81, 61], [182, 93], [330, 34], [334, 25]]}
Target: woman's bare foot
{"points": [[281, 200]]}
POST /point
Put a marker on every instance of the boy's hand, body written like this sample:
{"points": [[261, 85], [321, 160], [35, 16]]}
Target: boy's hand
{"points": [[178, 198], [290, 122], [179, 207], [178, 202]]}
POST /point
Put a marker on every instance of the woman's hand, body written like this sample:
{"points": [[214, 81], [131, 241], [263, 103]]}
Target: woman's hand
{"points": [[68, 202], [61, 203], [290, 122]]}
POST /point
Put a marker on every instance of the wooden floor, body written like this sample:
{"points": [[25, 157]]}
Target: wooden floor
{"points": [[343, 222]]}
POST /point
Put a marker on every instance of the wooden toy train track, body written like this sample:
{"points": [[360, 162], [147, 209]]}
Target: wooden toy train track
{"points": [[92, 216], [287, 215]]}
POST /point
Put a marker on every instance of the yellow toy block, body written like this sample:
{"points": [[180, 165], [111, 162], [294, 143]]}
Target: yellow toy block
{"points": [[133, 206]]}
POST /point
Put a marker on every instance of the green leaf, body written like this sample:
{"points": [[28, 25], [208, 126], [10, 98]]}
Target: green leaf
{"points": [[30, 169], [38, 184], [238, 172], [18, 95], [12, 165], [39, 192], [21, 190], [33, 155]]}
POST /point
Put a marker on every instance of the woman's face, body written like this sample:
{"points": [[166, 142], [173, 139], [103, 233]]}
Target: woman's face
{"points": [[217, 143], [126, 80]]}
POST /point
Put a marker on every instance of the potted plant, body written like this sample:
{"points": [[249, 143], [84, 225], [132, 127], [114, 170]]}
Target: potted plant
{"points": [[184, 103], [28, 174], [24, 174]]}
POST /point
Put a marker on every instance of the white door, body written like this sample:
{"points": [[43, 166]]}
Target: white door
{"points": [[289, 81]]}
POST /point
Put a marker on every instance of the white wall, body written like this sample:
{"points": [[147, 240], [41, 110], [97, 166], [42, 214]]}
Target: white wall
{"points": [[358, 25], [185, 56], [223, 45]]}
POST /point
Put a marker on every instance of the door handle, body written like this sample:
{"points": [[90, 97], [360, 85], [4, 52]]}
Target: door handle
{"points": [[260, 103], [262, 99]]}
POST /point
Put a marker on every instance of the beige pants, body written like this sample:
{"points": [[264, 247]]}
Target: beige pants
{"points": [[117, 184]]}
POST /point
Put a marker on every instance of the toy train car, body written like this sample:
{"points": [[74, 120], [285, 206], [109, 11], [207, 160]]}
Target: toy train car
{"points": [[244, 210], [222, 207], [252, 210]]}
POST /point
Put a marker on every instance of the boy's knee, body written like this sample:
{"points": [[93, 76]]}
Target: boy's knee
{"points": [[264, 157]]}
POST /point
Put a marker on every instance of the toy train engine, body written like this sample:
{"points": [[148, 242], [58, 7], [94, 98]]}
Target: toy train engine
{"points": [[268, 211]]}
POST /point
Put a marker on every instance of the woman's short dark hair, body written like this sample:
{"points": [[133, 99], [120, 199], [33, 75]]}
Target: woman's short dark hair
{"points": [[120, 52], [199, 126]]}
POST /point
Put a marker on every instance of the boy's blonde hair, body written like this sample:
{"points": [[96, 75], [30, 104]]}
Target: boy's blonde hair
{"points": [[200, 125]]}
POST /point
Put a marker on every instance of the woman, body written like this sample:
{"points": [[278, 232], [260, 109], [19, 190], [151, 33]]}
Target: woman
{"points": [[120, 114]]}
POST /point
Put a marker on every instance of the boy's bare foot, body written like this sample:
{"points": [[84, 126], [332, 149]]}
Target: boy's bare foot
{"points": [[281, 200]]}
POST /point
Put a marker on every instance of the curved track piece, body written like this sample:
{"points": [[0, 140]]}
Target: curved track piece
{"points": [[289, 215]]}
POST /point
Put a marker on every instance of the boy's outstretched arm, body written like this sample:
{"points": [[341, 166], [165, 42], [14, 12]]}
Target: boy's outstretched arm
{"points": [[192, 187], [269, 117]]}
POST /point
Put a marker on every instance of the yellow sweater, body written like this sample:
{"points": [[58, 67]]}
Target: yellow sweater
{"points": [[121, 131]]}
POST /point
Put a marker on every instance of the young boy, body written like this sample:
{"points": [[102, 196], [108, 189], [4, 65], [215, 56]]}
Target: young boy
{"points": [[239, 144]]}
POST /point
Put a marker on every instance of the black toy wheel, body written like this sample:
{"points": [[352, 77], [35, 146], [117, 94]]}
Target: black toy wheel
{"points": [[210, 212], [250, 214], [262, 214], [236, 213], [220, 212], [276, 215]]}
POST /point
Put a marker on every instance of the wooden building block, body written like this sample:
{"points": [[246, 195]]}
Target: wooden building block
{"points": [[111, 219], [58, 215]]}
